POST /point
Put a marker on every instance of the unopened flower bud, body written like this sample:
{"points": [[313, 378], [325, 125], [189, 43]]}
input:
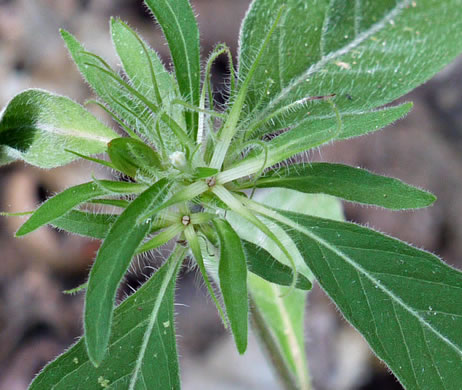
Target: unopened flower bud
{"points": [[178, 160]]}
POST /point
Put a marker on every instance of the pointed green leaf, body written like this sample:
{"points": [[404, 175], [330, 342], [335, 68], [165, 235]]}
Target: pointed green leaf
{"points": [[148, 75], [130, 155], [204, 172], [142, 349], [193, 241], [110, 265], [179, 25], [37, 126], [232, 273], [353, 184], [278, 315], [65, 201], [262, 263], [128, 108], [158, 86], [367, 54], [306, 136], [405, 302], [377, 119], [85, 224]]}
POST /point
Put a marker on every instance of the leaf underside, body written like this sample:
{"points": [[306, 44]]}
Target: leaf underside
{"points": [[35, 122]]}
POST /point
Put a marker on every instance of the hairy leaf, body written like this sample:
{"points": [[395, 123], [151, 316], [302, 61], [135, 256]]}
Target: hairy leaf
{"points": [[142, 349], [179, 25], [353, 184], [306, 136], [404, 301], [148, 75], [110, 265], [262, 263], [85, 224], [66, 200], [127, 107], [280, 317], [36, 122], [130, 155], [366, 53], [232, 273]]}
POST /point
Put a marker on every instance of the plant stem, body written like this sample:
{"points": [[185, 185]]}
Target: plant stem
{"points": [[269, 343]]}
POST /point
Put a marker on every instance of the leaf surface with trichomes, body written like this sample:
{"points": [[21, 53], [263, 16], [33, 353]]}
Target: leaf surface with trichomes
{"points": [[403, 300], [66, 200], [343, 181], [141, 349], [35, 122], [232, 273], [110, 265]]}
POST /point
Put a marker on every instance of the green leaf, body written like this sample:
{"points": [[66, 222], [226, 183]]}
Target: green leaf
{"points": [[376, 120], [193, 241], [405, 302], [204, 172], [130, 155], [306, 136], [125, 105], [65, 201], [353, 184], [365, 53], [232, 273], [110, 265], [85, 224], [179, 25], [148, 75], [37, 126], [279, 316], [142, 348], [262, 263]]}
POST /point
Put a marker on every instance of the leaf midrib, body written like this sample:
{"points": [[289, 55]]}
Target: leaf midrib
{"points": [[152, 321], [357, 267], [339, 52], [189, 73], [291, 336], [379, 284], [110, 345]]}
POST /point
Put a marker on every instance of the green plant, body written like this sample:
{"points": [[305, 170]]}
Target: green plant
{"points": [[309, 73]]}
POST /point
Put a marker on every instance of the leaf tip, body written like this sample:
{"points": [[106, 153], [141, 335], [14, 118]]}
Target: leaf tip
{"points": [[21, 232], [242, 347]]}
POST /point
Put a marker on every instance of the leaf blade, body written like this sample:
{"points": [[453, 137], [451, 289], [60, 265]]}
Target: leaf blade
{"points": [[365, 67], [261, 263], [74, 370], [232, 273], [66, 200], [352, 184], [111, 263], [364, 272], [307, 135], [180, 29], [158, 86], [35, 122], [85, 224]]}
